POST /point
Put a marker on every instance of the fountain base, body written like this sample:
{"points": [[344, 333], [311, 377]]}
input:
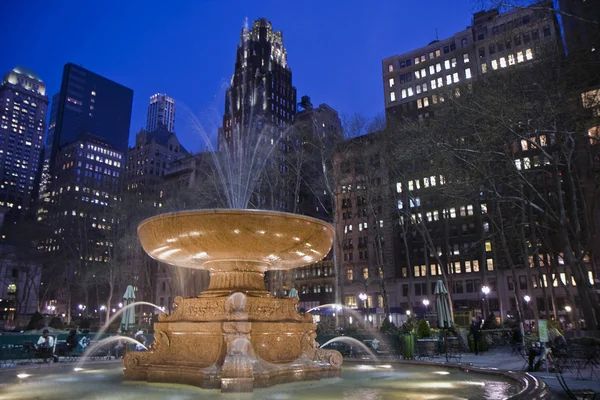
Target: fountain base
{"points": [[235, 344]]}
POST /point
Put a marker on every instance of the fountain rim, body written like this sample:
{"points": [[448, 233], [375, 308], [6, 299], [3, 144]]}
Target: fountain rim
{"points": [[238, 211]]}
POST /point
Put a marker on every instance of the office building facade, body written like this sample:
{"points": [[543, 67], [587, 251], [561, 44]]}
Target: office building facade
{"points": [[161, 111], [23, 104]]}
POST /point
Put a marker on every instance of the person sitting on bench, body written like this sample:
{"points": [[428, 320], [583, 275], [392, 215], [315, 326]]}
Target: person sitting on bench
{"points": [[45, 346]]}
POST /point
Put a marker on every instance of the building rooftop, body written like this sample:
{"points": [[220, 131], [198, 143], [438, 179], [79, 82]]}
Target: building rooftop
{"points": [[26, 71]]}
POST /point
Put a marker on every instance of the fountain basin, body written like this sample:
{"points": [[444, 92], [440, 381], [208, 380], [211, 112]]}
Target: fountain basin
{"points": [[377, 380], [222, 239]]}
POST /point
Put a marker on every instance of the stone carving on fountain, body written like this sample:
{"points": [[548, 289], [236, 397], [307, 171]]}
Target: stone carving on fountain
{"points": [[235, 336]]}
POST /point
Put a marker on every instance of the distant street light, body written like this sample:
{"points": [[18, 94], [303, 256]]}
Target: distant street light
{"points": [[486, 291], [426, 302], [120, 305], [408, 312], [568, 308], [527, 298], [102, 308]]}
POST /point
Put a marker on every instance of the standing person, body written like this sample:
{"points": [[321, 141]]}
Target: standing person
{"points": [[475, 330], [45, 345], [72, 340], [119, 346]]}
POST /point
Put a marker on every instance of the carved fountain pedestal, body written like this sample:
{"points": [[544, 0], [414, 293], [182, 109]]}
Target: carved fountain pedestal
{"points": [[235, 336]]}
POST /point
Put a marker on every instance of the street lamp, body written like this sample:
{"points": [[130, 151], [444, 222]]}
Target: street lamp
{"points": [[486, 291], [408, 313], [568, 308], [527, 299], [363, 297], [426, 304]]}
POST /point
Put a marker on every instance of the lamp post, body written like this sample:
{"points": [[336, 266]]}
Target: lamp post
{"points": [[568, 310], [486, 291], [363, 297], [426, 304], [527, 299]]}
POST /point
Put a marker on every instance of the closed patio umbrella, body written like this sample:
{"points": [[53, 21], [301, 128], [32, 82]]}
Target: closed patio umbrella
{"points": [[442, 305], [128, 317]]}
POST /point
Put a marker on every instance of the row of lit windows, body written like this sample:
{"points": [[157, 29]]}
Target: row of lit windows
{"points": [[427, 182], [361, 226]]}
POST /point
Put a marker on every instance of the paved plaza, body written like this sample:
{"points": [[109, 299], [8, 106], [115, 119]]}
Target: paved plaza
{"points": [[504, 360]]}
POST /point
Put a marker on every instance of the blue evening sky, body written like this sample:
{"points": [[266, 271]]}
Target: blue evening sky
{"points": [[186, 48]]}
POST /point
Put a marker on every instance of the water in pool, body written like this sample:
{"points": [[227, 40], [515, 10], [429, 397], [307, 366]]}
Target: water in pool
{"points": [[358, 382]]}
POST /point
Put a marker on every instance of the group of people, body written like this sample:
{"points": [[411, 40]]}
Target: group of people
{"points": [[120, 347], [45, 346], [556, 347]]}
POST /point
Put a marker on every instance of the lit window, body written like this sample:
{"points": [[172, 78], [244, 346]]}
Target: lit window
{"points": [[391, 81], [511, 59], [411, 185], [419, 103], [448, 79], [447, 64], [423, 73], [524, 144], [433, 85], [490, 264], [483, 68], [425, 87], [518, 164], [494, 64], [520, 56], [425, 101], [591, 277], [390, 69], [528, 54], [418, 89], [434, 98], [438, 67], [453, 62], [466, 58], [453, 212], [431, 70], [418, 74], [488, 245], [410, 91], [392, 96], [455, 77], [403, 93], [399, 187], [468, 73], [502, 62], [440, 82]]}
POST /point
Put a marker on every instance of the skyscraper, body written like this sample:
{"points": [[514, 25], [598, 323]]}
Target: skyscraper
{"points": [[89, 104], [82, 180], [22, 127], [161, 111], [261, 89]]}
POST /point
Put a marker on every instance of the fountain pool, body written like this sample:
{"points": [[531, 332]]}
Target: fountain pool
{"points": [[358, 381]]}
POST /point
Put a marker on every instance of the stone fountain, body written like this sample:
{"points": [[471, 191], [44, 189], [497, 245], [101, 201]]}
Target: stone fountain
{"points": [[234, 336]]}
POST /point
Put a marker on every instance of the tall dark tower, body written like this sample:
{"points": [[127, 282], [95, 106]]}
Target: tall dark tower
{"points": [[261, 89]]}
